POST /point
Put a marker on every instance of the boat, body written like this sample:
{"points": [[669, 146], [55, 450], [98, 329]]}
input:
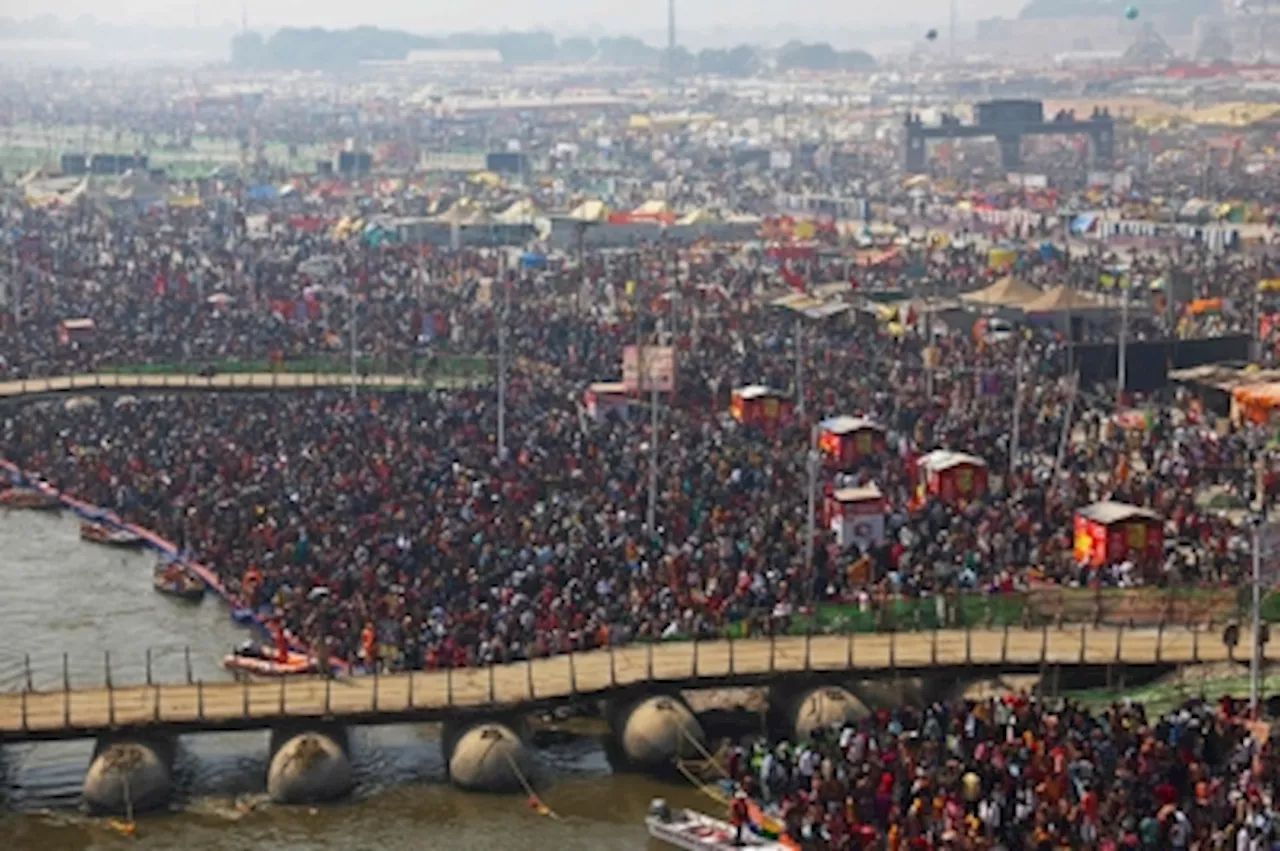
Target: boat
{"points": [[100, 533], [176, 582], [29, 498], [262, 662], [695, 831]]}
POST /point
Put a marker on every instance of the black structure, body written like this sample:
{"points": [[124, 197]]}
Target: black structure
{"points": [[507, 163], [1008, 121], [354, 163]]}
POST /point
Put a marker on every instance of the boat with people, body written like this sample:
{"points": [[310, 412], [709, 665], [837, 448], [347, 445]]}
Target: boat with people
{"points": [[101, 533], [263, 661], [170, 578], [695, 831], [28, 498]]}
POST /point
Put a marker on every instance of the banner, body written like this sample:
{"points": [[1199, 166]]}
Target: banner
{"points": [[658, 364]]}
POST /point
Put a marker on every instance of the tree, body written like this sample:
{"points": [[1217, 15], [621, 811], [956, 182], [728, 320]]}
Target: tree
{"points": [[577, 50], [678, 60], [527, 47], [248, 50], [856, 60], [627, 50], [810, 57], [741, 61]]}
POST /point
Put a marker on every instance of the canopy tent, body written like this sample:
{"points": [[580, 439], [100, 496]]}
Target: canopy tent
{"points": [[1060, 299], [592, 210], [522, 212], [1006, 292]]}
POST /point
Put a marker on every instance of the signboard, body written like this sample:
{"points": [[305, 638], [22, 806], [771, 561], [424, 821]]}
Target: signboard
{"points": [[648, 368]]}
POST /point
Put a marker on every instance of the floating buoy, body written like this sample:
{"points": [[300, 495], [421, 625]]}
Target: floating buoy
{"points": [[1131, 13]]}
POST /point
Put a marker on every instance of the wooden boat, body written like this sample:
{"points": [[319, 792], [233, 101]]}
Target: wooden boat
{"points": [[28, 498], [262, 662], [178, 583], [694, 831], [100, 533]]}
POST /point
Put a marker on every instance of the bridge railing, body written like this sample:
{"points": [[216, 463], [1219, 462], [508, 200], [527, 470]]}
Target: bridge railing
{"points": [[194, 702], [1045, 644]]}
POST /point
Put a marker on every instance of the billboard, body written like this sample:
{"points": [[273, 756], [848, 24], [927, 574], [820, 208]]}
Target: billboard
{"points": [[646, 368]]}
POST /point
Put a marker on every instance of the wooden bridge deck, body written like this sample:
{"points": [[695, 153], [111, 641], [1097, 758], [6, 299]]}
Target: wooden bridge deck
{"points": [[248, 381], [434, 695]]}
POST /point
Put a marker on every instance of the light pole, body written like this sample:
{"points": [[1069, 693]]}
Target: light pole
{"points": [[352, 309], [1122, 353], [1255, 654], [651, 515], [799, 364], [811, 459], [1017, 407], [502, 361]]}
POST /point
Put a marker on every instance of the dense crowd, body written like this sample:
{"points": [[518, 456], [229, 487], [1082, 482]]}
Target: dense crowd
{"points": [[1020, 774], [392, 516]]}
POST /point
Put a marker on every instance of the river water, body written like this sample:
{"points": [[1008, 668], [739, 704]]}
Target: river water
{"points": [[60, 594]]}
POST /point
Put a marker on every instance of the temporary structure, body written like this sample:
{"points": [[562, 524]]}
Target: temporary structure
{"points": [[1006, 292], [1060, 299]]}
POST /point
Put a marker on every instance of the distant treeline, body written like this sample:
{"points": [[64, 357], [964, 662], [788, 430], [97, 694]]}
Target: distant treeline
{"points": [[320, 49], [1187, 9]]}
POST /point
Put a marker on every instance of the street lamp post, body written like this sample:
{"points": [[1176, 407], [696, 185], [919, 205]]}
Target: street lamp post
{"points": [[812, 460]]}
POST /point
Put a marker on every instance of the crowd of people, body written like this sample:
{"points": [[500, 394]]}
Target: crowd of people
{"points": [[393, 516], [1021, 774]]}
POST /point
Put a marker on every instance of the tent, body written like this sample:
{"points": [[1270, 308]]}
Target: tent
{"points": [[590, 211], [522, 212], [1006, 292], [1060, 299]]}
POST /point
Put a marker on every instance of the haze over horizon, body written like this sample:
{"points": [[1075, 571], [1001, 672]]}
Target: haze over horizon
{"points": [[703, 17]]}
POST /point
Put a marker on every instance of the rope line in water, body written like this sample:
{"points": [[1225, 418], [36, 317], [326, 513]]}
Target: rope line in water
{"points": [[706, 754], [542, 808]]}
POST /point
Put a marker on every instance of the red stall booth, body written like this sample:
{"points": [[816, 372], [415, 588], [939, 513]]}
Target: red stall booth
{"points": [[1108, 532], [757, 405], [847, 440], [951, 476], [856, 516]]}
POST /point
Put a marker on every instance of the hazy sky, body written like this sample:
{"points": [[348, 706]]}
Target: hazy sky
{"points": [[437, 16]]}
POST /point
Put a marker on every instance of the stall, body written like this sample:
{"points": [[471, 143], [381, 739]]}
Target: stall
{"points": [[951, 476], [606, 397], [75, 330], [845, 441], [856, 516], [1109, 532], [757, 405]]}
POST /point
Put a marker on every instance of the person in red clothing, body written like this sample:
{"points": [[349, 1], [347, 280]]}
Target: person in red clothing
{"points": [[738, 815]]}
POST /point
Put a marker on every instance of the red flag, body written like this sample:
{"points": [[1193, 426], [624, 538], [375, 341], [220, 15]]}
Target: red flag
{"points": [[797, 282]]}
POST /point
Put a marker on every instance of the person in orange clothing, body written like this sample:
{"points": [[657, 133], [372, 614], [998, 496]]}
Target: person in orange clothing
{"points": [[368, 644]]}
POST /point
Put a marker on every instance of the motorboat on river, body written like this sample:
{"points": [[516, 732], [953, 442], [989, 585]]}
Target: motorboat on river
{"points": [[101, 533], [263, 661], [695, 831], [28, 498], [170, 578]]}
